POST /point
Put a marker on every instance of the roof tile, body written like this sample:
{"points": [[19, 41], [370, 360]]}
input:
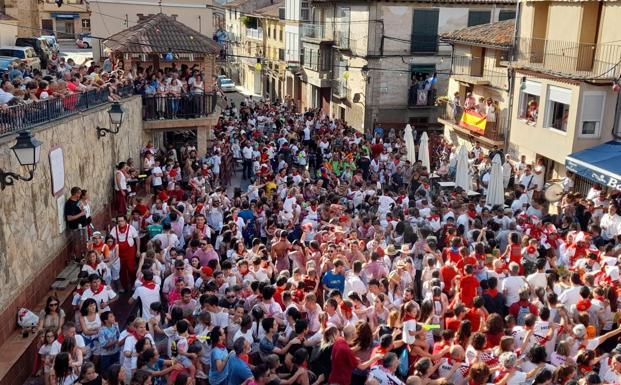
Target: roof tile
{"points": [[161, 34], [499, 34]]}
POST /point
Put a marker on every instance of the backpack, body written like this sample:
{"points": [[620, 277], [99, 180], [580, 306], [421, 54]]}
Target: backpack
{"points": [[522, 313]]}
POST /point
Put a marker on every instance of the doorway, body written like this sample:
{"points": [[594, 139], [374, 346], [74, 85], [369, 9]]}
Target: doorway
{"points": [[65, 28]]}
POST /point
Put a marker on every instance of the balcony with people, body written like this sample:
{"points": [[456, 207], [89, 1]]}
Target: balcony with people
{"points": [[474, 118]]}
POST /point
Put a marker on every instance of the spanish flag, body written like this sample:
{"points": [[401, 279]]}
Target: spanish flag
{"points": [[473, 121]]}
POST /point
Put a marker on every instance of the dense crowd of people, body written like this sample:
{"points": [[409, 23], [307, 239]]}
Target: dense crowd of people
{"points": [[336, 261]]}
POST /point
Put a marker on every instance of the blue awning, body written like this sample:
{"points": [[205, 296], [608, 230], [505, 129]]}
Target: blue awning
{"points": [[72, 15], [601, 164]]}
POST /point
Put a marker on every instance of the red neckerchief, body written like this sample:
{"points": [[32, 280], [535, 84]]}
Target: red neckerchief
{"points": [[220, 345], [408, 317], [99, 290], [148, 284], [583, 305], [137, 336], [79, 290], [61, 338], [501, 374], [93, 265], [492, 292]]}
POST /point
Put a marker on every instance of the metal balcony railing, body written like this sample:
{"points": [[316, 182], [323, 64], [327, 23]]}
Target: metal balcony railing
{"points": [[340, 89], [313, 31], [420, 97], [178, 107], [588, 60], [452, 115], [253, 33], [28, 115]]}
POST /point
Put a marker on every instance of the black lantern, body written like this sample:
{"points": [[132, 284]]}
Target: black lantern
{"points": [[116, 119], [27, 150]]}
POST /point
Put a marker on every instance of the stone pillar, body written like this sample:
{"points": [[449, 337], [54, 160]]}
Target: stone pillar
{"points": [[202, 135]]}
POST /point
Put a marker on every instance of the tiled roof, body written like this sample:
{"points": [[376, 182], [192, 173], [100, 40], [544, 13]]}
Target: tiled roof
{"points": [[161, 34], [270, 11], [235, 3], [499, 34]]}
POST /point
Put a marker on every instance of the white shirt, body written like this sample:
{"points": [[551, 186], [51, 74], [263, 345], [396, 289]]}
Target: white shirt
{"points": [[130, 363], [537, 279], [147, 297], [513, 285], [570, 296], [55, 349], [355, 284], [611, 225], [168, 239], [119, 236], [409, 326], [105, 295], [157, 180], [247, 152]]}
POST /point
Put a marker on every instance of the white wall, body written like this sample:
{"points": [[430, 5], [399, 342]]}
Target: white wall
{"points": [[8, 32]]}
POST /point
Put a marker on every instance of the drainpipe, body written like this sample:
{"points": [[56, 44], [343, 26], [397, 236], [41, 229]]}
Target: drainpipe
{"points": [[615, 124], [511, 74]]}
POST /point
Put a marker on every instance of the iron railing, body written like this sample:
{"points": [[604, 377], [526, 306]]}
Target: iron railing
{"points": [[255, 33], [340, 89], [27, 115], [452, 115], [313, 31], [420, 97], [586, 60], [178, 107]]}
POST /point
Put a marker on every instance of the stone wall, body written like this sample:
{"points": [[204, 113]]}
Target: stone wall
{"points": [[29, 226]]}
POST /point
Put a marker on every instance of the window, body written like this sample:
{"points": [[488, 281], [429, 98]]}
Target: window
{"points": [[280, 35], [529, 101], [305, 11], [86, 23], [425, 30], [479, 17], [557, 108], [592, 113], [506, 14]]}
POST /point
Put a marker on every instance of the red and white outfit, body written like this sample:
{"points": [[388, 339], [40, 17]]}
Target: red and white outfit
{"points": [[125, 237], [120, 192]]}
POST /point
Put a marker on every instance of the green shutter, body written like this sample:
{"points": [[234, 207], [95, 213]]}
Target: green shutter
{"points": [[479, 17], [506, 14], [425, 30]]}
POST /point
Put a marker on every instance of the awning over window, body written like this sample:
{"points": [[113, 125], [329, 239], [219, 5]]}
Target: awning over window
{"points": [[601, 164], [65, 15]]}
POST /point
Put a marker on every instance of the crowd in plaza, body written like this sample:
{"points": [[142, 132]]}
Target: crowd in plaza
{"points": [[342, 262]]}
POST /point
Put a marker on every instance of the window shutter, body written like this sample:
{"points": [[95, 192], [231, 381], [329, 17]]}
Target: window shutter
{"points": [[559, 95], [506, 15], [592, 110], [479, 17], [425, 30]]}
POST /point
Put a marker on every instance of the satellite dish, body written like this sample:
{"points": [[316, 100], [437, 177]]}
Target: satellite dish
{"points": [[554, 192]]}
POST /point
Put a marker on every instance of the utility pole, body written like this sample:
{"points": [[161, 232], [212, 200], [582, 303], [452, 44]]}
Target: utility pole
{"points": [[200, 24]]}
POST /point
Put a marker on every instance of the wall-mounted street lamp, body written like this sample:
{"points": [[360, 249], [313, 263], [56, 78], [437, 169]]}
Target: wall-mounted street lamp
{"points": [[27, 150], [116, 119]]}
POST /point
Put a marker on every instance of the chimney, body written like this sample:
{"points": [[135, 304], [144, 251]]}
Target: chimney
{"points": [[174, 17], [141, 16]]}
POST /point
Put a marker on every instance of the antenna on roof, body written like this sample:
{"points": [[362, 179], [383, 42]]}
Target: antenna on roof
{"points": [[160, 5]]}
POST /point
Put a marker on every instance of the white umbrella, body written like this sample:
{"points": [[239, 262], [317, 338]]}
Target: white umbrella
{"points": [[462, 177], [495, 188], [409, 144], [423, 151]]}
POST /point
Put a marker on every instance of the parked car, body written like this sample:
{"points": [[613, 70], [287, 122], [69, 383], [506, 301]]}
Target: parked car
{"points": [[27, 54], [227, 85], [5, 62], [84, 40], [40, 46], [220, 78], [53, 43]]}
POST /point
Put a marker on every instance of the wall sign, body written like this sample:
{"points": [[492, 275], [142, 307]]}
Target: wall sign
{"points": [[57, 170]]}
